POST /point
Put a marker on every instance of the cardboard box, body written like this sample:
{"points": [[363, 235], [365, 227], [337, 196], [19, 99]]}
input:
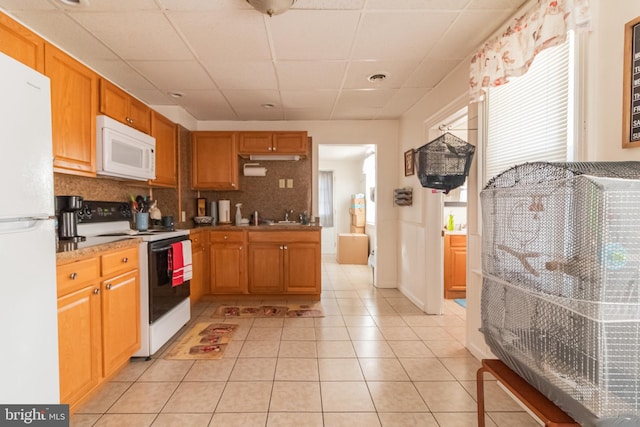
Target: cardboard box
{"points": [[358, 203], [353, 249], [358, 219], [356, 230]]}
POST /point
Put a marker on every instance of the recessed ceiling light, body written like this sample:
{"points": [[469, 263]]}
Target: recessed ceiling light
{"points": [[176, 95], [267, 106], [377, 78], [75, 3]]}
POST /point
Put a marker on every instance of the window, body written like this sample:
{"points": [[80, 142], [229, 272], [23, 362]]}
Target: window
{"points": [[325, 198], [531, 118]]}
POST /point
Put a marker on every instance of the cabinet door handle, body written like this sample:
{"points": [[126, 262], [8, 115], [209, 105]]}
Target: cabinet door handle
{"points": [[73, 276], [233, 184], [281, 248], [226, 237], [125, 260], [96, 291], [109, 286], [285, 247]]}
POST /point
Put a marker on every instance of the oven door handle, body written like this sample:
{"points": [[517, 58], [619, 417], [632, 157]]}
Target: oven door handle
{"points": [[162, 249]]}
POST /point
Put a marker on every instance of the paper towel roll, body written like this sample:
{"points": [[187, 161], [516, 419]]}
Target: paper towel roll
{"points": [[224, 211], [254, 169]]}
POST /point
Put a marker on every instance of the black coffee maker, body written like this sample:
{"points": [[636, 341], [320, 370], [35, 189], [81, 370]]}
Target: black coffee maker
{"points": [[66, 210]]}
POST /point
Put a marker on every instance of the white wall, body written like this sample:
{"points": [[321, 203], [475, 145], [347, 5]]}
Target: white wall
{"points": [[381, 133], [602, 95], [348, 179]]}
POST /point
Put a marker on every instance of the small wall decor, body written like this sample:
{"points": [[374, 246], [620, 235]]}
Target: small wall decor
{"points": [[403, 196], [409, 164], [631, 85]]}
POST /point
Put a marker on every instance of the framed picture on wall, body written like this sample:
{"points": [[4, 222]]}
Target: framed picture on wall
{"points": [[409, 166], [631, 85]]}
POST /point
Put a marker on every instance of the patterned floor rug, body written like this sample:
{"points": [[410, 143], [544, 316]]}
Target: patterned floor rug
{"points": [[203, 341], [286, 310]]}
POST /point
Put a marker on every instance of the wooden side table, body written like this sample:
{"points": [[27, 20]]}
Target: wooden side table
{"points": [[542, 407]]}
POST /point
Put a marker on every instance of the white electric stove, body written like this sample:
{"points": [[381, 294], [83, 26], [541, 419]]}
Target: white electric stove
{"points": [[164, 309]]}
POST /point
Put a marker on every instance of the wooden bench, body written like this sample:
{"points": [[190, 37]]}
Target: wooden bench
{"points": [[542, 407]]}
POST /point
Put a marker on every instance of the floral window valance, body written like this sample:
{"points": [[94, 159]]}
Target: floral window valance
{"points": [[544, 25]]}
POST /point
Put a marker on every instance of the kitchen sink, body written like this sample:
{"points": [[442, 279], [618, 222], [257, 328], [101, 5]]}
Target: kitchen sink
{"points": [[285, 223]]}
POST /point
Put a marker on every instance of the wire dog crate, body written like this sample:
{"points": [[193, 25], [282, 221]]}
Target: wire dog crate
{"points": [[561, 283], [444, 163]]}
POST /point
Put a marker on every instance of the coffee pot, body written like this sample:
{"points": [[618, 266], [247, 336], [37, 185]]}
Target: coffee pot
{"points": [[66, 211]]}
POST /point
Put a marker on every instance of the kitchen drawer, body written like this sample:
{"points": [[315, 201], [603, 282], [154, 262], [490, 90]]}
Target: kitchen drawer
{"points": [[458, 240], [284, 236], [126, 259], [197, 239], [73, 276], [226, 236]]}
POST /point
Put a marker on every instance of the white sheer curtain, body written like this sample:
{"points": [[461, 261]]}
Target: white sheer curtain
{"points": [[325, 198]]}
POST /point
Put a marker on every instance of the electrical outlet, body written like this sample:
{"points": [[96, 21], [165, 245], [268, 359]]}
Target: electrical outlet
{"points": [[281, 183], [289, 183], [183, 216]]}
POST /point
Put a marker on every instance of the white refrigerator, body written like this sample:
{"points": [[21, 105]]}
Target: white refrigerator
{"points": [[28, 306]]}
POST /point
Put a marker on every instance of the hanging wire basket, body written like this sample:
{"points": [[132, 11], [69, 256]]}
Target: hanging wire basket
{"points": [[444, 163]]}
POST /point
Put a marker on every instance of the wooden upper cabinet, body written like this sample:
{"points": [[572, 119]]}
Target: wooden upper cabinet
{"points": [[119, 105], [21, 44], [165, 133], [272, 143], [215, 161], [74, 92]]}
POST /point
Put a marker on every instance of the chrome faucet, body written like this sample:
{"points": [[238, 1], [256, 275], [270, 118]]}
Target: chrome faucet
{"points": [[286, 214]]}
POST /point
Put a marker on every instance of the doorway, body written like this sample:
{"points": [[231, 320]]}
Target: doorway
{"points": [[352, 174], [454, 214]]}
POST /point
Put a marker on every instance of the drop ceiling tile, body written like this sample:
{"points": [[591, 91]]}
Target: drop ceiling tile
{"points": [[242, 75], [417, 4], [175, 75], [307, 114], [396, 72], [120, 72], [309, 99], [430, 72], [207, 105], [137, 35], [200, 5], [318, 35], [62, 31], [224, 35], [330, 4], [15, 5], [355, 113], [260, 114], [403, 100], [400, 35], [377, 98], [154, 97], [512, 5], [469, 31], [308, 75], [252, 98], [112, 5]]}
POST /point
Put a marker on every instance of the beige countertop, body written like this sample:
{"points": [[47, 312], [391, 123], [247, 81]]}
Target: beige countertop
{"points": [[274, 227], [69, 252]]}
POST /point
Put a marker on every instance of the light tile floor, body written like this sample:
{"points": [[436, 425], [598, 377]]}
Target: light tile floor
{"points": [[373, 360]]}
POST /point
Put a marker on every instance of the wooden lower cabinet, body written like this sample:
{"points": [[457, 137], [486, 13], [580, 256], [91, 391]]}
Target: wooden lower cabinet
{"points": [[199, 262], [265, 262], [120, 320], [227, 262], [286, 262], [79, 342], [98, 320], [265, 268], [455, 266]]}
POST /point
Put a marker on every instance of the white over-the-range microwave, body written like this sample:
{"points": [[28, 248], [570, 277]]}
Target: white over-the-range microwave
{"points": [[123, 151]]}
